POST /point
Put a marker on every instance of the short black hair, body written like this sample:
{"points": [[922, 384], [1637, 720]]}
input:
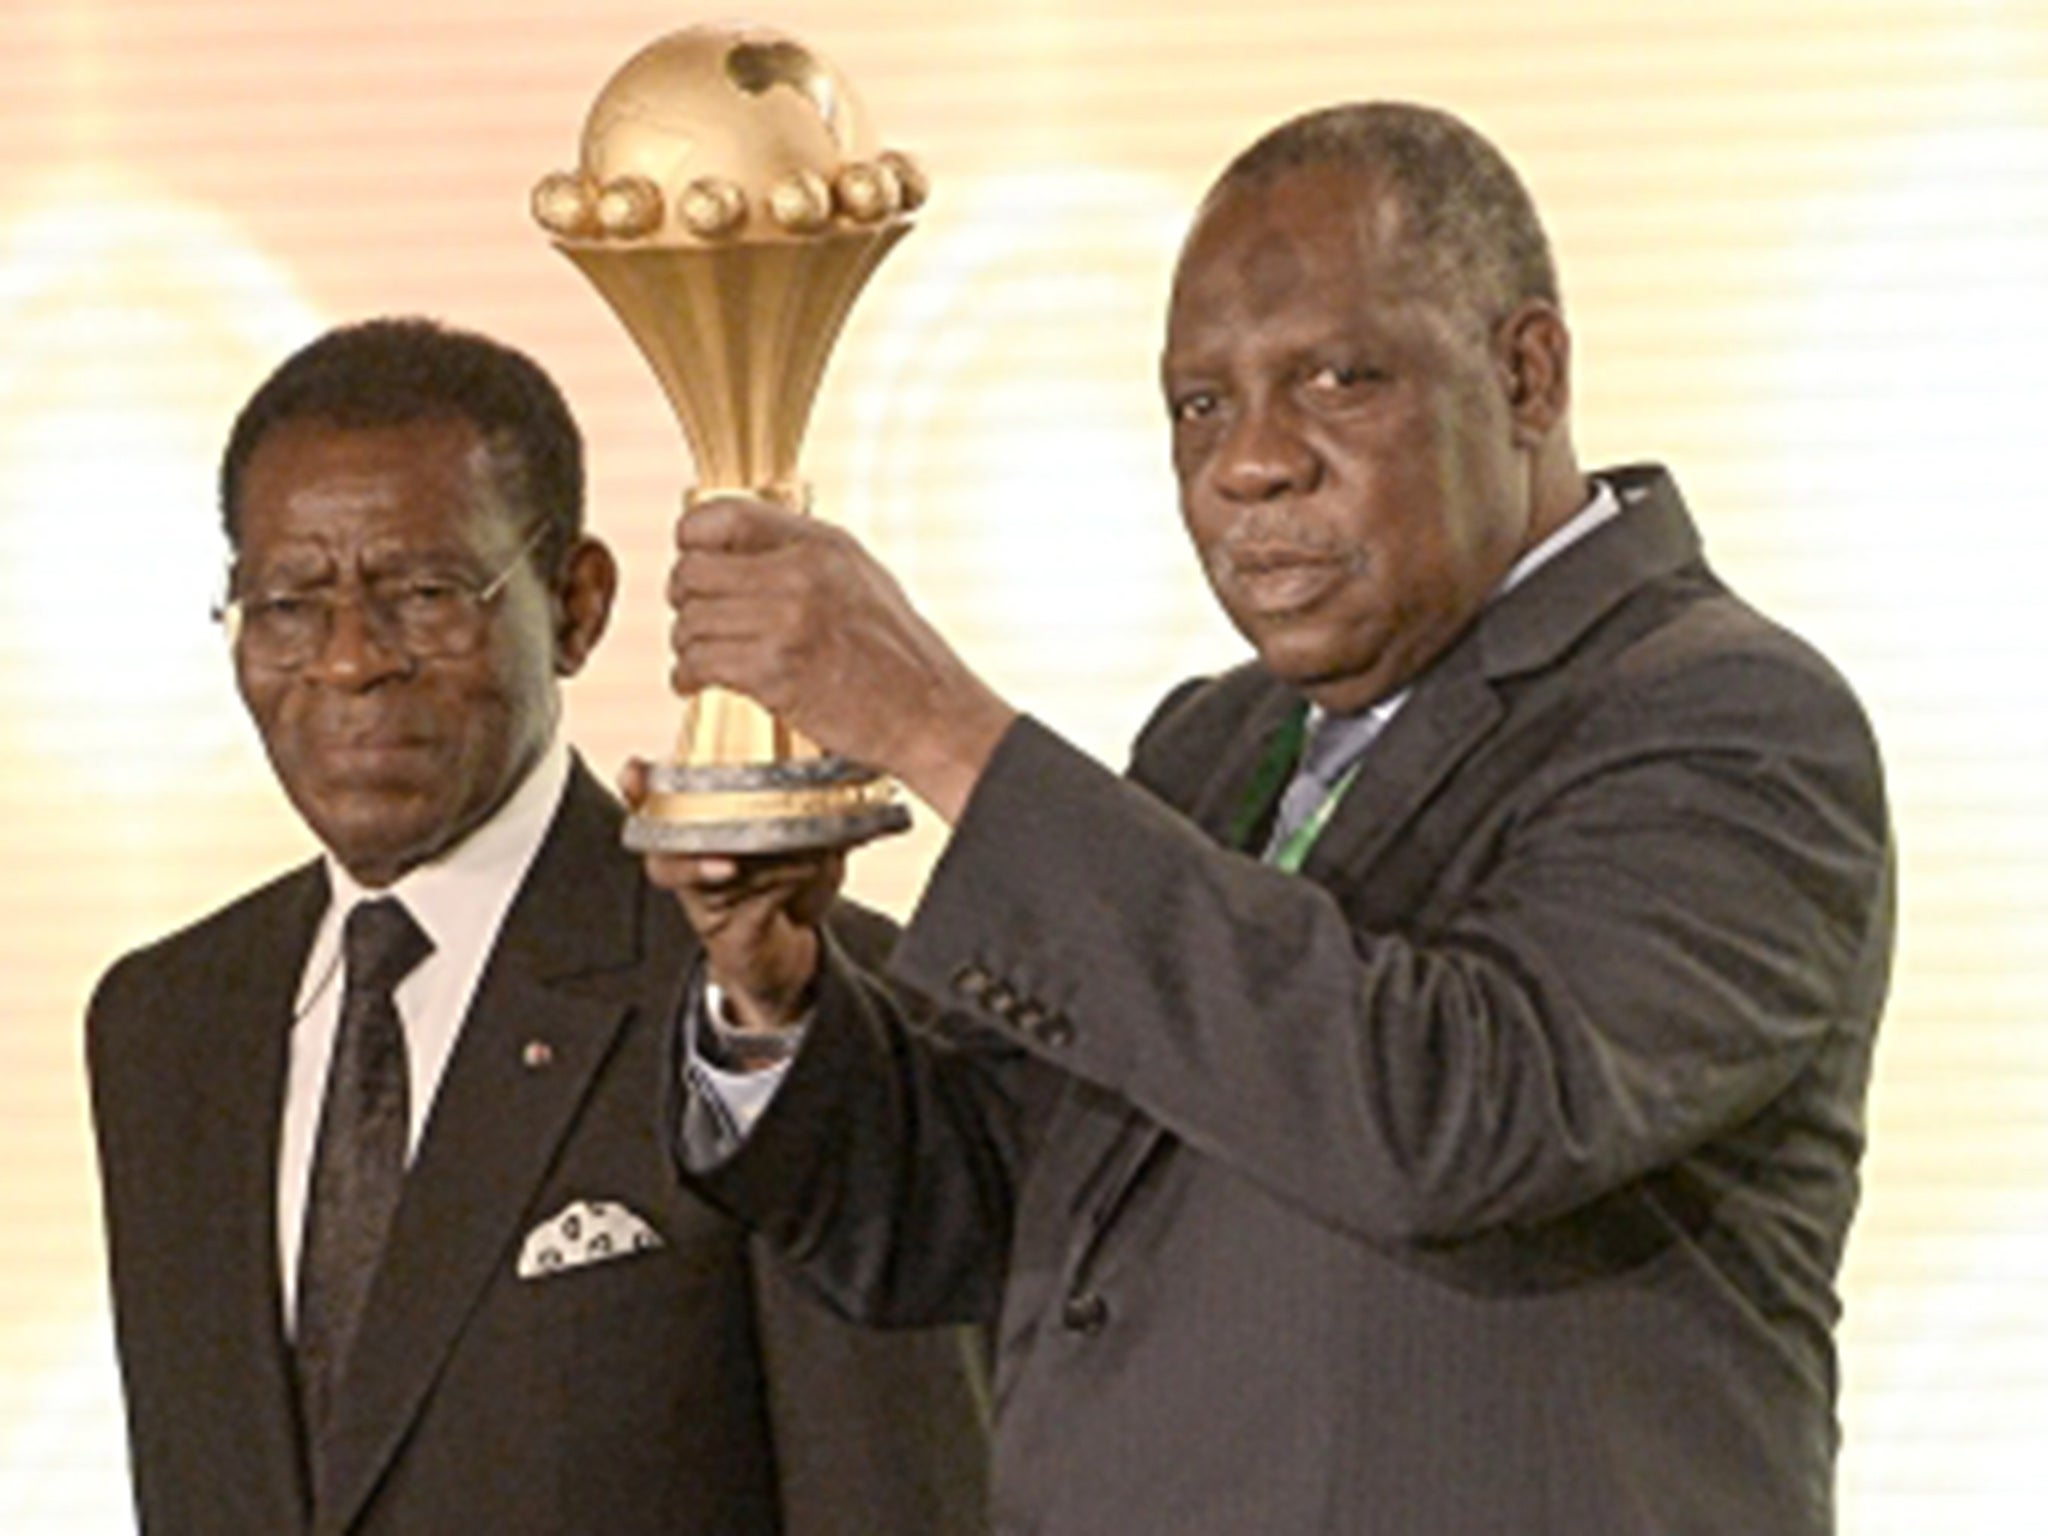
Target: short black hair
{"points": [[1467, 216], [395, 371]]}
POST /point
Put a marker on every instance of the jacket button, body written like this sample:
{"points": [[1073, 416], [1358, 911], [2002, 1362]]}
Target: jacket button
{"points": [[972, 982], [1086, 1313], [1055, 1029]]}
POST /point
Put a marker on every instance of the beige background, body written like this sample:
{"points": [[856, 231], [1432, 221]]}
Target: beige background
{"points": [[1805, 247]]}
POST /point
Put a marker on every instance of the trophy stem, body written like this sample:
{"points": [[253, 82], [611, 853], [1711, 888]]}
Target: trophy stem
{"points": [[720, 726]]}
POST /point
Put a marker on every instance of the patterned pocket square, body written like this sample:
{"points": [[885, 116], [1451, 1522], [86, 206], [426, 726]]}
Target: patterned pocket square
{"points": [[586, 1232]]}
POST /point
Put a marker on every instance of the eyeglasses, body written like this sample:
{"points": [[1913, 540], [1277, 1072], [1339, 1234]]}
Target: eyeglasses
{"points": [[428, 617]]}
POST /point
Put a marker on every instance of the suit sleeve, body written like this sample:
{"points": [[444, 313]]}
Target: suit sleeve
{"points": [[886, 1164], [1675, 913]]}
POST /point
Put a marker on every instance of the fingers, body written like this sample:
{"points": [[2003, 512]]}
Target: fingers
{"points": [[788, 880], [742, 587], [693, 874], [741, 664], [758, 920], [758, 595], [633, 782], [819, 888], [800, 885], [753, 549], [732, 523], [795, 614]]}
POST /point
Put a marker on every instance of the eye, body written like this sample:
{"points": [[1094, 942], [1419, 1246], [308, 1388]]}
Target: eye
{"points": [[1192, 405], [432, 588], [283, 607], [281, 622], [426, 597], [1340, 379]]}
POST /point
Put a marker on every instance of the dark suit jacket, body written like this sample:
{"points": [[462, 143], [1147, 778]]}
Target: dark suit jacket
{"points": [[691, 1391], [1491, 1177]]}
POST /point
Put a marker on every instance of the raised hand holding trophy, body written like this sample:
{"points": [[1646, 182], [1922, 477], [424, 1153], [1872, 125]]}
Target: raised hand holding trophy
{"points": [[730, 204]]}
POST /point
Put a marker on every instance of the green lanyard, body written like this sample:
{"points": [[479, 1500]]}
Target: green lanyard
{"points": [[1295, 846], [1276, 766]]}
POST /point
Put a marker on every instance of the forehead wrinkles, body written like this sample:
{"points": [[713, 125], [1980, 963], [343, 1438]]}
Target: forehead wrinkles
{"points": [[338, 496], [341, 487], [345, 518]]}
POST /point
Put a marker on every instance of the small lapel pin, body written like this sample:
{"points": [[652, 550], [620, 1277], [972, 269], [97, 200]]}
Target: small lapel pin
{"points": [[536, 1055]]}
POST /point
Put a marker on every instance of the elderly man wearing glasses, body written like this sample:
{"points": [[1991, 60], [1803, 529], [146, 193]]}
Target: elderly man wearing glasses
{"points": [[393, 1245]]}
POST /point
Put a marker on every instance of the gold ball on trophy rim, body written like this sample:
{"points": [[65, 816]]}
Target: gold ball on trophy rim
{"points": [[565, 204], [628, 207], [911, 180], [711, 207], [867, 192], [801, 202]]}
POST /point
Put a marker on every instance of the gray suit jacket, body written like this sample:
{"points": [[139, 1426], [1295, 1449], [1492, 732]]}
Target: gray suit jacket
{"points": [[690, 1391], [1490, 1177]]}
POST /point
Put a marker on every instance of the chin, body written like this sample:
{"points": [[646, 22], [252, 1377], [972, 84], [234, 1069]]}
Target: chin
{"points": [[1334, 684], [1303, 656], [377, 835]]}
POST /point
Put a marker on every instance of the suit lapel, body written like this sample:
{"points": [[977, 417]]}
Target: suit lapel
{"points": [[240, 1075], [1457, 704], [1453, 710], [1217, 804], [527, 1055], [1448, 715]]}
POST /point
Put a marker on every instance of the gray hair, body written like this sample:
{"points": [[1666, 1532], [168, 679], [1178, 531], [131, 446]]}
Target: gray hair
{"points": [[1466, 216]]}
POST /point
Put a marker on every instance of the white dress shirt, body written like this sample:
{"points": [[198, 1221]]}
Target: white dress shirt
{"points": [[459, 900]]}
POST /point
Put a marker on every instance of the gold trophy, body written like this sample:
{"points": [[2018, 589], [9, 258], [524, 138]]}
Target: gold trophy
{"points": [[730, 205]]}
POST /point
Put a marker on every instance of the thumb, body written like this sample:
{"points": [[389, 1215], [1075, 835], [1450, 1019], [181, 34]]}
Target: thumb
{"points": [[632, 782]]}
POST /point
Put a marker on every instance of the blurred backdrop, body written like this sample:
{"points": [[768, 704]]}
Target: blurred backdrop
{"points": [[1805, 250]]}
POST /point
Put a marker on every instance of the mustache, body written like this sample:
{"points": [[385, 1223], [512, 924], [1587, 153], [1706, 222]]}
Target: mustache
{"points": [[1267, 543]]}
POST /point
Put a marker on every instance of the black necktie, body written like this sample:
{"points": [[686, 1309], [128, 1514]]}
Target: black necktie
{"points": [[359, 1161]]}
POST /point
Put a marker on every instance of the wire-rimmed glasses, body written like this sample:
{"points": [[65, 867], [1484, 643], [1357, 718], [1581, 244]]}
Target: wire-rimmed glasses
{"points": [[426, 615]]}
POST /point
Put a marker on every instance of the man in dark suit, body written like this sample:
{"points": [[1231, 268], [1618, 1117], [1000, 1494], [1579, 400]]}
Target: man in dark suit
{"points": [[1425, 1097], [467, 1294]]}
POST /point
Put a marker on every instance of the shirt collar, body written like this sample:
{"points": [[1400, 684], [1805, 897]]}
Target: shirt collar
{"points": [[460, 897], [1603, 505]]}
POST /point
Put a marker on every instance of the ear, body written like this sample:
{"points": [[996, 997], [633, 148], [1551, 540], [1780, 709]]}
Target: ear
{"points": [[583, 603], [1534, 349]]}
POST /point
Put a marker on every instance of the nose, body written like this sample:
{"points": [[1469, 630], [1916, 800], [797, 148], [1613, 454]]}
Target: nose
{"points": [[1263, 454], [358, 650]]}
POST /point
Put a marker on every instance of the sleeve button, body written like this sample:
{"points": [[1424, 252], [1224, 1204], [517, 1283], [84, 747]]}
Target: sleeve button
{"points": [[1055, 1029], [1085, 1313]]}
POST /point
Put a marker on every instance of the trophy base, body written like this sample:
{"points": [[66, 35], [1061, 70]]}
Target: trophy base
{"points": [[798, 806]]}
